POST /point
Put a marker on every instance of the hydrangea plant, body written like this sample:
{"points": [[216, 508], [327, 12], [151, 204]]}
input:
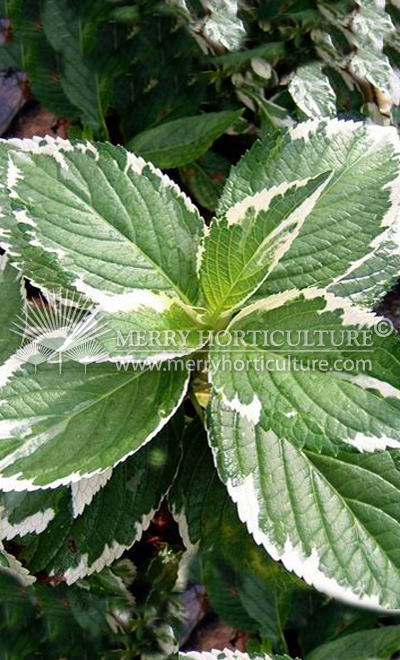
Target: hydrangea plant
{"points": [[306, 237]]}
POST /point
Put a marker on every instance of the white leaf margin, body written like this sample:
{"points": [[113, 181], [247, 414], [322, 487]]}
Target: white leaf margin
{"points": [[306, 80], [84, 490], [34, 524], [351, 315], [292, 225], [18, 484], [245, 497], [55, 148], [378, 137], [115, 550], [15, 568], [110, 552], [190, 551]]}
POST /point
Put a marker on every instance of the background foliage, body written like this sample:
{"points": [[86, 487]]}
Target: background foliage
{"points": [[126, 71]]}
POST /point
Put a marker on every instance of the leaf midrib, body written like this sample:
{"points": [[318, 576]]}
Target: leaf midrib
{"points": [[222, 306], [192, 140], [305, 453], [91, 403], [102, 218]]}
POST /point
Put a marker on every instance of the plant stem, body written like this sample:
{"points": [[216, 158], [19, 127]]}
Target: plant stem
{"points": [[196, 404]]}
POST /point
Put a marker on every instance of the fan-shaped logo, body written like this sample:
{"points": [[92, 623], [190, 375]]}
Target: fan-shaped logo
{"points": [[61, 328]]}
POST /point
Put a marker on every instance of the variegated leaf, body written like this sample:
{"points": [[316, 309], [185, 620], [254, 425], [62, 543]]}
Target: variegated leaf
{"points": [[9, 565], [356, 216], [244, 246], [192, 499], [312, 92], [77, 545], [333, 519], [285, 432], [78, 203], [11, 296], [371, 25], [316, 367], [58, 428], [27, 513], [245, 586]]}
